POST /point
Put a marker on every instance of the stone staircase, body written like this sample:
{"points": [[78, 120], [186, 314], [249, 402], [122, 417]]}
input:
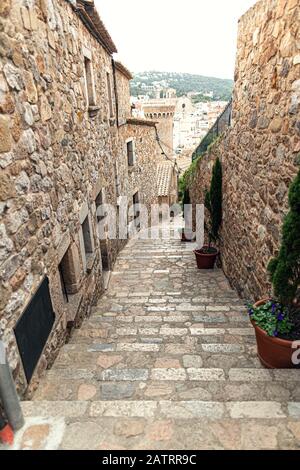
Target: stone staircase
{"points": [[166, 361]]}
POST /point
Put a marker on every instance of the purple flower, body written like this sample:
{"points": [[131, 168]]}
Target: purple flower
{"points": [[273, 309], [280, 317], [275, 333], [251, 311]]}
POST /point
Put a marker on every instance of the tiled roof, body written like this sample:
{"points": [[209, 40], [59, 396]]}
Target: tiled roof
{"points": [[90, 17], [164, 177], [119, 66]]}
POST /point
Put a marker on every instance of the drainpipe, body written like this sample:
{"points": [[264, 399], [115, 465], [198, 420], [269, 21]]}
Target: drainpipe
{"points": [[8, 393]]}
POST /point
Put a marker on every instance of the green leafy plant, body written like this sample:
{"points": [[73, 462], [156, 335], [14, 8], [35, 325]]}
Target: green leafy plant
{"points": [[277, 317], [213, 203], [271, 317]]}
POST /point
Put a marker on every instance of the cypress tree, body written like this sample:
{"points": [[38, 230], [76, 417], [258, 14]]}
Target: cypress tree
{"points": [[285, 268], [213, 201], [186, 197]]}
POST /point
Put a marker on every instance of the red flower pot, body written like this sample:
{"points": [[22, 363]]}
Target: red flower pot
{"points": [[274, 353], [206, 260]]}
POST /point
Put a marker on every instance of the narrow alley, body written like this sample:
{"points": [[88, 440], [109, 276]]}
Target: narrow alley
{"points": [[166, 361]]}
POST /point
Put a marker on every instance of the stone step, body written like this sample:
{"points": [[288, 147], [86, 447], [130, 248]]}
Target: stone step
{"points": [[98, 329], [183, 409], [177, 374], [153, 345], [159, 433], [174, 303], [159, 320], [131, 355], [159, 425], [165, 334], [83, 388]]}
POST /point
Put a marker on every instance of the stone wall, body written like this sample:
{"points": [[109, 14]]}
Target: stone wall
{"points": [[219, 128], [142, 176], [57, 154], [260, 153], [123, 91]]}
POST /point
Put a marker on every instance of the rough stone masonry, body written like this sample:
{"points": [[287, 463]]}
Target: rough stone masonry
{"points": [[260, 153], [65, 124]]}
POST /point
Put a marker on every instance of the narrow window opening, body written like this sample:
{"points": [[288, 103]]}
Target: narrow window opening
{"points": [[89, 82], [63, 273], [99, 201], [87, 238], [67, 272], [130, 153]]}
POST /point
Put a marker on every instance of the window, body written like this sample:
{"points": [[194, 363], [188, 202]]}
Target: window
{"points": [[130, 153], [89, 81], [99, 201], [87, 238], [34, 327], [63, 273], [68, 274], [110, 97]]}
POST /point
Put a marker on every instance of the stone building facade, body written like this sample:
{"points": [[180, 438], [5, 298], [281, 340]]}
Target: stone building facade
{"points": [[260, 152], [162, 112], [67, 145]]}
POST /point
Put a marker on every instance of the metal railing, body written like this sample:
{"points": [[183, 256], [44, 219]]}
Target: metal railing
{"points": [[221, 124]]}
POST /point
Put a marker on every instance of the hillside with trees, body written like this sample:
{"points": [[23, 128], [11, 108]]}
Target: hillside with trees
{"points": [[205, 88]]}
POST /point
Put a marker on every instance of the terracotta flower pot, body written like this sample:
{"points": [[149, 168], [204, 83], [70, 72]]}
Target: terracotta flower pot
{"points": [[206, 260], [274, 353]]}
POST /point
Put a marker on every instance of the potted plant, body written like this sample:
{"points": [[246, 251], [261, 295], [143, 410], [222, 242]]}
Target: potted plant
{"points": [[277, 320], [207, 255]]}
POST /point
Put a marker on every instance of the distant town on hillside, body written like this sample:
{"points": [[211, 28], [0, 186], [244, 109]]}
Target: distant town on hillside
{"points": [[200, 88]]}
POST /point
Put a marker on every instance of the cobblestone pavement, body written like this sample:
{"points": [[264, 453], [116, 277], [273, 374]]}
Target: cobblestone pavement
{"points": [[166, 361]]}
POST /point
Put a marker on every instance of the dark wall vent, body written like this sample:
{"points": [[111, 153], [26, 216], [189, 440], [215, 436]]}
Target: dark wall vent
{"points": [[34, 328]]}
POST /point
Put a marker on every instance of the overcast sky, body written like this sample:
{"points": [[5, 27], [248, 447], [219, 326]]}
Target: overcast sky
{"points": [[194, 36]]}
